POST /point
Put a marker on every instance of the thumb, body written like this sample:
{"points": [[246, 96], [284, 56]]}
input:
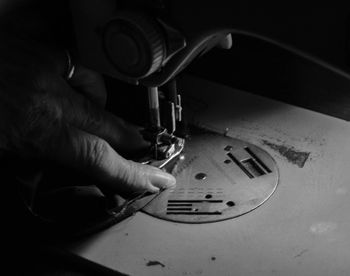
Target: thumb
{"points": [[95, 156], [146, 177]]}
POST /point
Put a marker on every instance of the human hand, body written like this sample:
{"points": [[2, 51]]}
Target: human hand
{"points": [[44, 114]]}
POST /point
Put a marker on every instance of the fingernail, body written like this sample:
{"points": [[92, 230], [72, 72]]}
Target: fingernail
{"points": [[165, 179], [153, 189]]}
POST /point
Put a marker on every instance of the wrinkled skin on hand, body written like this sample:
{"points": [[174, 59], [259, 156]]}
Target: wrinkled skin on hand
{"points": [[42, 114]]}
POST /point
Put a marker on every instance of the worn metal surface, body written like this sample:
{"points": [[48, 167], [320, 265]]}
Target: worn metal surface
{"points": [[303, 229], [217, 178]]}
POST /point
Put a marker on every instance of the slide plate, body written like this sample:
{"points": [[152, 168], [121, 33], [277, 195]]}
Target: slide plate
{"points": [[218, 178]]}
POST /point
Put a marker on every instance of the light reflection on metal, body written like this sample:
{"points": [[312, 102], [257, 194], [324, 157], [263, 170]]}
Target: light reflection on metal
{"points": [[209, 188]]}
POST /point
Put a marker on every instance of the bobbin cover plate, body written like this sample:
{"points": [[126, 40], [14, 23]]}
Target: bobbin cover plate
{"points": [[218, 178]]}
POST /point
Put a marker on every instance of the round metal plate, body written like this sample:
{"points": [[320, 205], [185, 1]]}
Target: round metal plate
{"points": [[218, 178]]}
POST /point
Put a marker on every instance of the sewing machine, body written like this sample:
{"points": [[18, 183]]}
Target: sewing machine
{"points": [[143, 43], [241, 149]]}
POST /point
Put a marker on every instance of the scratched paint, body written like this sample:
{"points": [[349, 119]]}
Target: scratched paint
{"points": [[153, 263], [301, 253], [292, 155]]}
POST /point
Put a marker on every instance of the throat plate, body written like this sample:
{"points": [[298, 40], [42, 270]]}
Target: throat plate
{"points": [[218, 178]]}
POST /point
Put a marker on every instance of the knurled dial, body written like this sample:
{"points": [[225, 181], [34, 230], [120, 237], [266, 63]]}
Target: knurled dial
{"points": [[134, 43]]}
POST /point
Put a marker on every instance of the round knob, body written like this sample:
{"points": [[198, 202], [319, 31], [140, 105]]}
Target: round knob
{"points": [[134, 44]]}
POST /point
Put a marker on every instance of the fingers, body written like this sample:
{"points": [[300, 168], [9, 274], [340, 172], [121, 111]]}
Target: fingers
{"points": [[83, 114], [95, 156], [152, 179], [86, 138], [90, 84]]}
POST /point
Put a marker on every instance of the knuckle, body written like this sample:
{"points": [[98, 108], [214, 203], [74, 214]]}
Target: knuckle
{"points": [[95, 152], [134, 176], [42, 115]]}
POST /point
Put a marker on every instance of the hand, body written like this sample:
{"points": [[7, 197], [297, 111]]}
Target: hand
{"points": [[43, 114]]}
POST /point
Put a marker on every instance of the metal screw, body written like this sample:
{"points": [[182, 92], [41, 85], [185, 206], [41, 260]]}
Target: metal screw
{"points": [[201, 176]]}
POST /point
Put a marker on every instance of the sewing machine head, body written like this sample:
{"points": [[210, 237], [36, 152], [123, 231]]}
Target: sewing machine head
{"points": [[144, 42], [148, 43], [141, 41]]}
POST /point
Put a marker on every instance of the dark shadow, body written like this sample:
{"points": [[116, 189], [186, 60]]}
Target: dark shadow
{"points": [[265, 69]]}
